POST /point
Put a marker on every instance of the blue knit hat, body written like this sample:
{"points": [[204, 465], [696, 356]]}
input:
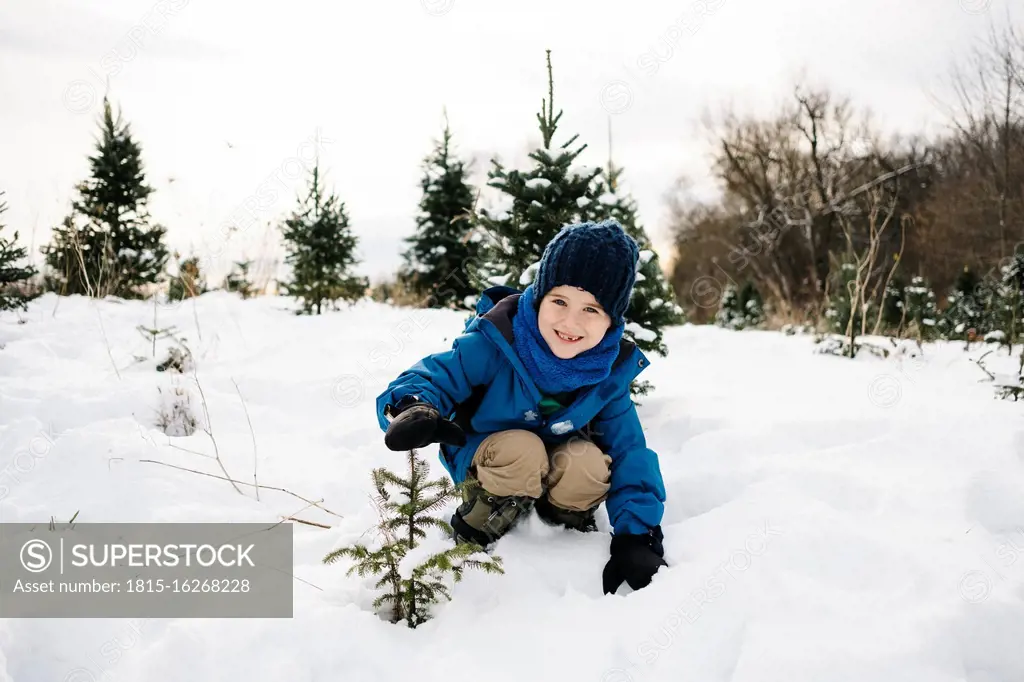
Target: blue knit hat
{"points": [[600, 257]]}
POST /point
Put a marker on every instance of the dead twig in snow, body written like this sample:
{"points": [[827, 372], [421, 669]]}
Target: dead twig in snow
{"points": [[265, 487], [209, 432], [195, 316], [253, 434], [991, 376], [308, 523], [193, 452], [105, 341], [289, 516]]}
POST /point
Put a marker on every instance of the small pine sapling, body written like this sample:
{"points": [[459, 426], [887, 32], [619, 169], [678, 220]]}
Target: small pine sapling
{"points": [[321, 251], [155, 332], [892, 313], [238, 280], [921, 310], [1008, 308], [412, 569], [189, 282], [740, 308], [13, 278], [844, 312], [965, 309]]}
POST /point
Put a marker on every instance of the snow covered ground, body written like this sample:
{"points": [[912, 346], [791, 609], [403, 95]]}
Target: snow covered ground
{"points": [[826, 520]]}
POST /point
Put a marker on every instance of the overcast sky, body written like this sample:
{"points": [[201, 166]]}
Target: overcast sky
{"points": [[229, 99]]}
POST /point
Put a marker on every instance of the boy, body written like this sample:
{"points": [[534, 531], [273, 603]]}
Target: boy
{"points": [[532, 410]]}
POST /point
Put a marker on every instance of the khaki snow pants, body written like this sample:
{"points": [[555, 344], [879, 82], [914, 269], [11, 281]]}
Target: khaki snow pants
{"points": [[576, 474]]}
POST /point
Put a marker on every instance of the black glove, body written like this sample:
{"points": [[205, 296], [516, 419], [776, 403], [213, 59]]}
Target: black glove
{"points": [[419, 424], [634, 559]]}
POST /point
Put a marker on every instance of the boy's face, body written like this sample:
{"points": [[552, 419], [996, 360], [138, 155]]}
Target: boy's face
{"points": [[571, 321]]}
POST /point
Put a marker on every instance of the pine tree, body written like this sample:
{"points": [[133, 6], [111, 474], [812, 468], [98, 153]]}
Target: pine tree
{"points": [[537, 203], [440, 252], [922, 314], [652, 306], [740, 308], [413, 581], [107, 245], [841, 307], [238, 279], [11, 274], [964, 315], [893, 316], [321, 251], [1006, 308], [188, 282]]}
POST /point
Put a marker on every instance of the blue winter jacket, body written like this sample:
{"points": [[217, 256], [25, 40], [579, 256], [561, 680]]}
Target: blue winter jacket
{"points": [[481, 385]]}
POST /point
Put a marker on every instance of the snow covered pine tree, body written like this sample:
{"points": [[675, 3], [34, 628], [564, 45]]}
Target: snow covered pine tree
{"points": [[440, 251], [537, 203], [412, 566]]}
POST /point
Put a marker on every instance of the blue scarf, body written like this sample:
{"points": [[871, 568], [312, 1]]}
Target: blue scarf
{"points": [[549, 372]]}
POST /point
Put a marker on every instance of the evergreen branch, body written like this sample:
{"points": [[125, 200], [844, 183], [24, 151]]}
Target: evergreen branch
{"points": [[440, 524], [355, 552], [442, 498], [494, 565], [381, 477], [403, 524], [427, 588], [393, 577], [359, 553]]}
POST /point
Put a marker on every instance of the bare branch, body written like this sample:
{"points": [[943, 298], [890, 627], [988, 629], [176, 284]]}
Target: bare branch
{"points": [[253, 434], [265, 487], [209, 432]]}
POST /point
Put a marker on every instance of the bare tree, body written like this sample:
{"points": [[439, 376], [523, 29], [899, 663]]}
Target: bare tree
{"points": [[880, 210], [789, 181], [989, 117]]}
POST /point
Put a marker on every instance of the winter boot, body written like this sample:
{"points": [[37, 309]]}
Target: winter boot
{"points": [[583, 521], [483, 518]]}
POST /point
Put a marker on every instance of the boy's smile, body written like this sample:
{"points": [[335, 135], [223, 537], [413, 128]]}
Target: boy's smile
{"points": [[571, 321]]}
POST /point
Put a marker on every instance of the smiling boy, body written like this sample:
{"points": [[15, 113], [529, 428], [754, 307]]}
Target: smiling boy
{"points": [[571, 321], [532, 407]]}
